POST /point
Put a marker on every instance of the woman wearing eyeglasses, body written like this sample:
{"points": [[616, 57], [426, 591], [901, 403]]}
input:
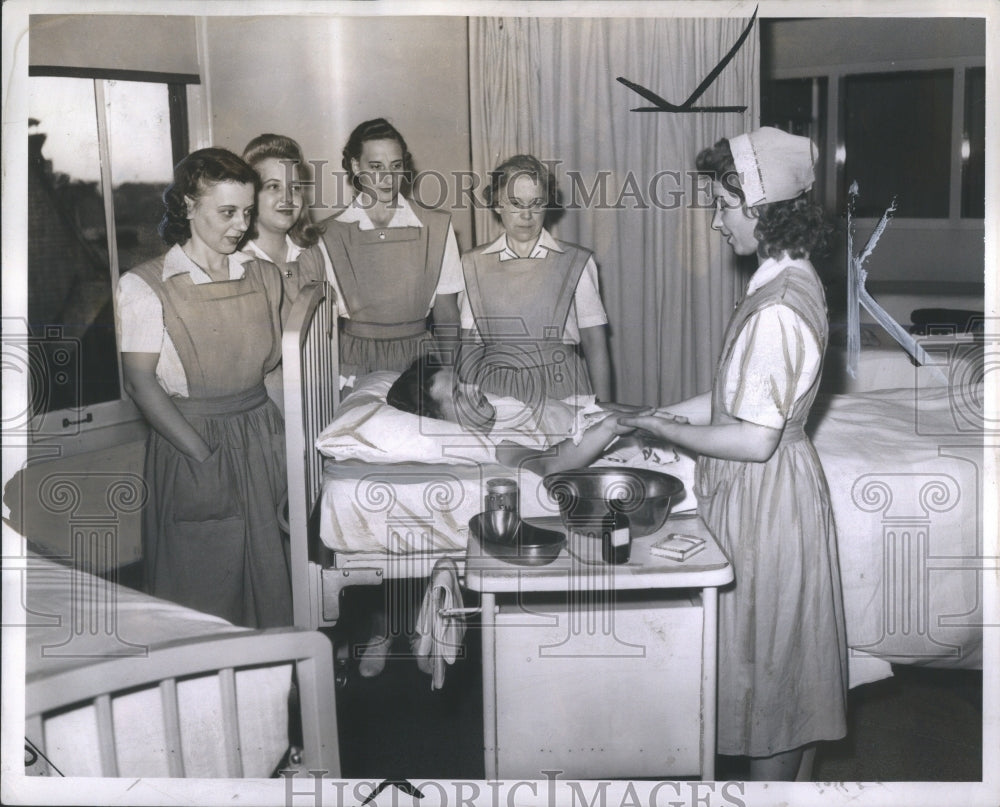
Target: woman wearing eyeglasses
{"points": [[533, 323]]}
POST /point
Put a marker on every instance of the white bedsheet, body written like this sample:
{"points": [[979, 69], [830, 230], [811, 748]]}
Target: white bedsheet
{"points": [[904, 469], [904, 472], [75, 617], [419, 507]]}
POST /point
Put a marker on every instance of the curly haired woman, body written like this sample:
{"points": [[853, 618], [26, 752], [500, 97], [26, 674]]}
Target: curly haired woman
{"points": [[760, 486], [200, 326]]}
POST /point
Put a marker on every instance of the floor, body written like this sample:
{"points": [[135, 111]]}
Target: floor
{"points": [[920, 725]]}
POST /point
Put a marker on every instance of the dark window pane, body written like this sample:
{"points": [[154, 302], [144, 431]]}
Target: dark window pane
{"points": [[974, 145], [798, 106], [897, 141], [70, 311]]}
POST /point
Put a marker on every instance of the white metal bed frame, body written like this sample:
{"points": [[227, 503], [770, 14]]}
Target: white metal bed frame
{"points": [[221, 655], [311, 370]]}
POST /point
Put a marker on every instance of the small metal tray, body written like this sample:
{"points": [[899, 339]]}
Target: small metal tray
{"points": [[531, 546]]}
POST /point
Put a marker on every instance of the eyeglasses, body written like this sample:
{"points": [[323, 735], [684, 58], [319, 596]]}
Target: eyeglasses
{"points": [[534, 206]]}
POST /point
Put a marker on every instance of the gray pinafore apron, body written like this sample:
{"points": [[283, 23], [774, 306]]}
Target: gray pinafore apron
{"points": [[388, 277], [782, 645], [211, 539], [307, 268], [520, 306]]}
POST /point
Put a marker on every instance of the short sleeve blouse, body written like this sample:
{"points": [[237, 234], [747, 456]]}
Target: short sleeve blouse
{"points": [[774, 362]]}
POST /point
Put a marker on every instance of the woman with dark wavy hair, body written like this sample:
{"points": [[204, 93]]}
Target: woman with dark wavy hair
{"points": [[760, 486], [396, 268], [395, 263], [200, 326]]}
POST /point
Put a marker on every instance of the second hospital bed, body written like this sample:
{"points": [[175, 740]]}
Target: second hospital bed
{"points": [[122, 684]]}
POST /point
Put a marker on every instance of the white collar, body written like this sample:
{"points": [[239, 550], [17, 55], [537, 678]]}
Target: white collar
{"points": [[768, 271], [403, 217], [292, 250], [176, 262], [541, 249]]}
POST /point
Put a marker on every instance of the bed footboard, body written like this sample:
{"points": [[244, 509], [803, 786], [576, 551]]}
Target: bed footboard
{"points": [[223, 657]]}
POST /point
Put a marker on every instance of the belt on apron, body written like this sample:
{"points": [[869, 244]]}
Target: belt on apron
{"points": [[224, 404], [379, 330]]}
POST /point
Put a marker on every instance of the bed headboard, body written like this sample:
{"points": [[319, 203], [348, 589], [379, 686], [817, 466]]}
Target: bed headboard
{"points": [[311, 371]]}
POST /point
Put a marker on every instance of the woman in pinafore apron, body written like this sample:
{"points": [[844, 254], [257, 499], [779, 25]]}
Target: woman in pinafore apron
{"points": [[282, 231], [531, 302], [760, 486], [200, 327], [394, 263]]}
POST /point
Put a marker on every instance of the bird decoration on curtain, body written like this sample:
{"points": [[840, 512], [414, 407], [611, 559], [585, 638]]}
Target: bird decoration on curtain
{"points": [[662, 105]]}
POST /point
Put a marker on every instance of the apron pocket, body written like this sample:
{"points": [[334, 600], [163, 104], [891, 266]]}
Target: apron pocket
{"points": [[205, 491]]}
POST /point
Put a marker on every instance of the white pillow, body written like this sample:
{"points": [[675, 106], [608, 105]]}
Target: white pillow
{"points": [[367, 428]]}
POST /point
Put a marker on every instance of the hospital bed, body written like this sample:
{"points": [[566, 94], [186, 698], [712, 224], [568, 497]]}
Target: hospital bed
{"points": [[122, 684], [904, 464]]}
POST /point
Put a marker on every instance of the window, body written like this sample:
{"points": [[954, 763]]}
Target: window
{"points": [[897, 142], [916, 134], [101, 151], [798, 106], [974, 145]]}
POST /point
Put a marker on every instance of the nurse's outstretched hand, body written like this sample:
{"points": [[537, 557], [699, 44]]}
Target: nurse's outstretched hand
{"points": [[660, 423]]}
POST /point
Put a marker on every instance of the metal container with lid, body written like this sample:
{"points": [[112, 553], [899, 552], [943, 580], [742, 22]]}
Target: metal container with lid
{"points": [[502, 494], [502, 510]]}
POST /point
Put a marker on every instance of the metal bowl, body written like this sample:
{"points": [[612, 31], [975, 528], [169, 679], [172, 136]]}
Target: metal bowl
{"points": [[586, 495], [530, 545]]}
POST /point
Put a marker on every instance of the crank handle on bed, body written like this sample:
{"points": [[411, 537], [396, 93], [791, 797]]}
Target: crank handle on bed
{"points": [[447, 613]]}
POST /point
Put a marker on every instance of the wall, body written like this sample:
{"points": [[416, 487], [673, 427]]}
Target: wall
{"points": [[945, 257], [315, 78], [856, 41], [312, 77], [115, 42]]}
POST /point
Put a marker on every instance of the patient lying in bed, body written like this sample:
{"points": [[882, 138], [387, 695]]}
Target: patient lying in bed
{"points": [[544, 437], [399, 484]]}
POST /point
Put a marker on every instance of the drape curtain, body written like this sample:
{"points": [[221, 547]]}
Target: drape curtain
{"points": [[547, 87]]}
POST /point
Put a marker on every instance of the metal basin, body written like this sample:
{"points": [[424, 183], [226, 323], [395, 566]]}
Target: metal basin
{"points": [[528, 546], [586, 495]]}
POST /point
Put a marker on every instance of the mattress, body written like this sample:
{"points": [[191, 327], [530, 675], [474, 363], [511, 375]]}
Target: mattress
{"points": [[400, 508], [75, 617]]}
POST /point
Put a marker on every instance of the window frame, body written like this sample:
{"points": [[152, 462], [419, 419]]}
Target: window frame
{"points": [[833, 164], [79, 421]]}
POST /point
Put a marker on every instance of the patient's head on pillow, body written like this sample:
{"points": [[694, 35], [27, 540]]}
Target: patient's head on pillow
{"points": [[429, 389], [787, 219]]}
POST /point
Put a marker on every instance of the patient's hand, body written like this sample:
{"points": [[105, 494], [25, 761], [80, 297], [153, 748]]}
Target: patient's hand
{"points": [[618, 427], [658, 422], [626, 409]]}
